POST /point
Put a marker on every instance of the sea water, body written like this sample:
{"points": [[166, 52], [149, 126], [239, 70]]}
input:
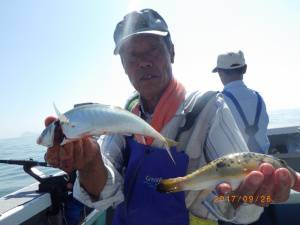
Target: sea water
{"points": [[12, 177]]}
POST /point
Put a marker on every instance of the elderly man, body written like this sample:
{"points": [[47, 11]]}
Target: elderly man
{"points": [[125, 173], [247, 106]]}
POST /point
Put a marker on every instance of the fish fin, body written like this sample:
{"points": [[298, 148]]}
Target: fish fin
{"points": [[68, 140], [203, 193], [117, 107], [65, 141], [170, 143], [170, 154], [170, 185], [62, 118]]}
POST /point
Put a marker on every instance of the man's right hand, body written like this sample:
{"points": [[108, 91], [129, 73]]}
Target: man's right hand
{"points": [[82, 155]]}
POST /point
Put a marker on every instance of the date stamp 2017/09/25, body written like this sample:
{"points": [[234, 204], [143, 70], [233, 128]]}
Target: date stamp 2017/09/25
{"points": [[261, 199]]}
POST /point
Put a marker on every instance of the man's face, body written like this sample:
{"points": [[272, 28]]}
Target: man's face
{"points": [[147, 62]]}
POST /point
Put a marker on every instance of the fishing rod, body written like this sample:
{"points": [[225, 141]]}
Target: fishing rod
{"points": [[27, 166], [29, 162]]}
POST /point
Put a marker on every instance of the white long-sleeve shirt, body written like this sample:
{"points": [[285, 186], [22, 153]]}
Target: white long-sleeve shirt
{"points": [[248, 102], [214, 129]]}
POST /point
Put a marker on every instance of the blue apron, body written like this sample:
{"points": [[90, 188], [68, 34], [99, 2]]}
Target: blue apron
{"points": [[143, 205]]}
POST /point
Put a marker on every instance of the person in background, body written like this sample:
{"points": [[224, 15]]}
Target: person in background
{"points": [[246, 105], [123, 172], [248, 109]]}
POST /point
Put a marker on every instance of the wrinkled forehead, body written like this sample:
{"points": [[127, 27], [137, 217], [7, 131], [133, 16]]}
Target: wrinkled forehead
{"points": [[141, 42]]}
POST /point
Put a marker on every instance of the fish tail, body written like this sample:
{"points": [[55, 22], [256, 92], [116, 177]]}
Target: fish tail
{"points": [[170, 143], [170, 185]]}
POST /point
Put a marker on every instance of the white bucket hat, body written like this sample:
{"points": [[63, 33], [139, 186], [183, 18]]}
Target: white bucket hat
{"points": [[230, 60]]}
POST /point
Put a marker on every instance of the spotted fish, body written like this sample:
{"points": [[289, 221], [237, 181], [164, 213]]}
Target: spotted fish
{"points": [[230, 168]]}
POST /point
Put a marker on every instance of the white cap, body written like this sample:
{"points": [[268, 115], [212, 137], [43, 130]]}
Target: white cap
{"points": [[230, 60]]}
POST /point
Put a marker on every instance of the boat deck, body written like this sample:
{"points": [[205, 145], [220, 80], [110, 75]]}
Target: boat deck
{"points": [[23, 204]]}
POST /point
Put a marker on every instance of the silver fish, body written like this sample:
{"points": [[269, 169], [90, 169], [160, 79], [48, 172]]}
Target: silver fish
{"points": [[230, 168], [94, 120]]}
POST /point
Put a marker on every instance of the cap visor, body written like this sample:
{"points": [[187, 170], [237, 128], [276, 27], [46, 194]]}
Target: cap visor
{"points": [[215, 70], [155, 32], [150, 32]]}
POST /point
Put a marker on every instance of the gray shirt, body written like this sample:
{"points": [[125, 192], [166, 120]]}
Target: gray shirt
{"points": [[214, 129]]}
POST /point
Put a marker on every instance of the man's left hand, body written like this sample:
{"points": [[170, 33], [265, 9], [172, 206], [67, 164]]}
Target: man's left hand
{"points": [[262, 187]]}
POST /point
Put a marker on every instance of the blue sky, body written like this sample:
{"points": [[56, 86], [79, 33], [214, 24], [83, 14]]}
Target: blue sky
{"points": [[61, 51]]}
